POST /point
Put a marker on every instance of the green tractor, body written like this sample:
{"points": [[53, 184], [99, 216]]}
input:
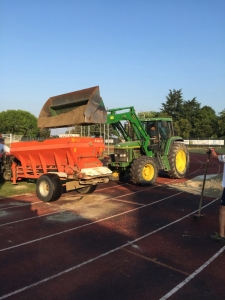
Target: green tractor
{"points": [[148, 145]]}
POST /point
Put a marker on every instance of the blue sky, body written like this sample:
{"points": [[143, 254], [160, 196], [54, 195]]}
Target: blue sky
{"points": [[135, 51]]}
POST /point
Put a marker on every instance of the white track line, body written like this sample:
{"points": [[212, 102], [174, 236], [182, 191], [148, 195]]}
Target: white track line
{"points": [[19, 206], [85, 225], [65, 210], [103, 255], [27, 219], [196, 272]]}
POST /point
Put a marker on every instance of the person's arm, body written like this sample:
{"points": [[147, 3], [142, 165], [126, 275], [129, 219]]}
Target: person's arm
{"points": [[213, 153], [6, 149], [218, 156]]}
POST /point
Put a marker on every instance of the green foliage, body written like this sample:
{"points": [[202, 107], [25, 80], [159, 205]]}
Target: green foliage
{"points": [[190, 119], [221, 123], [147, 114], [199, 122], [190, 110], [182, 128], [18, 122], [173, 105], [44, 133]]}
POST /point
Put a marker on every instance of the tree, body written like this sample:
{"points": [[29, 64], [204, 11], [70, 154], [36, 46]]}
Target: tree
{"points": [[147, 114], [190, 110], [209, 122], [205, 123], [18, 122], [44, 133], [182, 128], [221, 123], [173, 105]]}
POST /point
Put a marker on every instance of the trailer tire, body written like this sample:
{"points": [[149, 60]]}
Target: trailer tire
{"points": [[49, 187], [178, 160], [87, 189], [144, 171]]}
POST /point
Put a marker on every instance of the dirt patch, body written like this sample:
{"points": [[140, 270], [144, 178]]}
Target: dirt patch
{"points": [[212, 186], [19, 187]]}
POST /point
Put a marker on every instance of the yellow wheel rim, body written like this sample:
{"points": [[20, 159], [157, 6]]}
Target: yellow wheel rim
{"points": [[115, 174], [148, 172], [181, 161]]}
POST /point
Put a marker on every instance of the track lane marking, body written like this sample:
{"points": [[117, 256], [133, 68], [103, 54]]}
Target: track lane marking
{"points": [[155, 261], [196, 272], [85, 225], [65, 210], [19, 206], [103, 255]]}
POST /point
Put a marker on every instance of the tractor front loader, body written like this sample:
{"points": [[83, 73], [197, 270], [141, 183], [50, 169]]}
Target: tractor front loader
{"points": [[141, 156]]}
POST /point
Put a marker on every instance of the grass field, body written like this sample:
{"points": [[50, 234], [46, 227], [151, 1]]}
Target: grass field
{"points": [[8, 189]]}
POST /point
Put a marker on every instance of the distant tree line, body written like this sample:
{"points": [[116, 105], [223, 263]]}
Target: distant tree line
{"points": [[190, 120], [20, 122]]}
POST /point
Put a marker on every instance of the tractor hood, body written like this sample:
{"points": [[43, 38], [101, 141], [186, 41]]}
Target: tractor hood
{"points": [[76, 108], [127, 145]]}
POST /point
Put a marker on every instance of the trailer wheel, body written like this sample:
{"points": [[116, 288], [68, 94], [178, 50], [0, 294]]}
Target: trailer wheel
{"points": [[144, 171], [87, 189], [49, 187], [179, 161]]}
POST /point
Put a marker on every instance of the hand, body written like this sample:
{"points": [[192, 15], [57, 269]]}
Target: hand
{"points": [[213, 153]]}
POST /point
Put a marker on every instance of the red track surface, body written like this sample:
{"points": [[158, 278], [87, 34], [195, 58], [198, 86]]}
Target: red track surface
{"points": [[122, 242]]}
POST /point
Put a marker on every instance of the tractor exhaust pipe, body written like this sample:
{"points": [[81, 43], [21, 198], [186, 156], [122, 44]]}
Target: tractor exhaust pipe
{"points": [[83, 107]]}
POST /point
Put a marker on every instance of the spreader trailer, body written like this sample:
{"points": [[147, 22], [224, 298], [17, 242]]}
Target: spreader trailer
{"points": [[73, 162]]}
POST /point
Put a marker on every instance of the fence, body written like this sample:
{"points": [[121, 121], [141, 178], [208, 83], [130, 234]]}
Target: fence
{"points": [[192, 143], [10, 138]]}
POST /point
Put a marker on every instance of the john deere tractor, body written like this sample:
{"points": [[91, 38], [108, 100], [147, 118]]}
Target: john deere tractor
{"points": [[142, 153]]}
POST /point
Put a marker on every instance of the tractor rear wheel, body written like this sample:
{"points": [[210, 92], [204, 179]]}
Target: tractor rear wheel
{"points": [[49, 187], [179, 161], [87, 189], [144, 171]]}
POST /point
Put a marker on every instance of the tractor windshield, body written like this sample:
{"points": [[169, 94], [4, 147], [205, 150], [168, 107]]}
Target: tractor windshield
{"points": [[158, 129]]}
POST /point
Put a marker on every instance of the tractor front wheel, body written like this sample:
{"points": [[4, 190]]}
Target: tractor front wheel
{"points": [[144, 171], [49, 187], [178, 160]]}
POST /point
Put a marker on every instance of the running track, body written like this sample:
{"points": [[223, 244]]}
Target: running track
{"points": [[121, 242]]}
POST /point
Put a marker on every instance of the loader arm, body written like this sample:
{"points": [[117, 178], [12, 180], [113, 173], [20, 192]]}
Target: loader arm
{"points": [[117, 115]]}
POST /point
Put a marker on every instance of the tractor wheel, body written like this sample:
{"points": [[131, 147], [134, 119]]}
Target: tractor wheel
{"points": [[144, 171], [49, 187], [87, 189], [179, 161]]}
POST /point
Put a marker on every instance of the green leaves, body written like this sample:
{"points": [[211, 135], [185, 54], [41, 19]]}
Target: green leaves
{"points": [[190, 119], [18, 122]]}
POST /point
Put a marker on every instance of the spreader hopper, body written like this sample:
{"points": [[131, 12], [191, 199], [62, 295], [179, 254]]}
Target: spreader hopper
{"points": [[76, 108]]}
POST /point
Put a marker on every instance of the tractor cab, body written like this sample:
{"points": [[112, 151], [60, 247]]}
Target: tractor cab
{"points": [[159, 131]]}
